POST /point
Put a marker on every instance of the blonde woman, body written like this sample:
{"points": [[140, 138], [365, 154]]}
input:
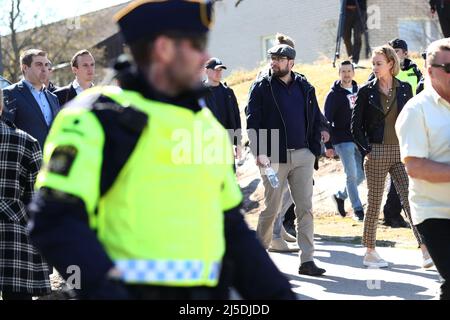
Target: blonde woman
{"points": [[377, 107]]}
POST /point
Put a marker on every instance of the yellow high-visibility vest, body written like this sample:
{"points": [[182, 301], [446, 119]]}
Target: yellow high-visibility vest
{"points": [[161, 221]]}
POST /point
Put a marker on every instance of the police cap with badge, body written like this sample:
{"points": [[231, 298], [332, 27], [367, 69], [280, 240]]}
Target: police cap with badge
{"points": [[146, 19]]}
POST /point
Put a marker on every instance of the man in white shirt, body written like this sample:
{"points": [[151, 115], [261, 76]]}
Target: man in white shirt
{"points": [[423, 128]]}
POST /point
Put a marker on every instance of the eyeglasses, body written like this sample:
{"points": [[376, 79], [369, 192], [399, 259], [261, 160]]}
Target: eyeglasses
{"points": [[445, 66], [199, 43], [276, 58]]}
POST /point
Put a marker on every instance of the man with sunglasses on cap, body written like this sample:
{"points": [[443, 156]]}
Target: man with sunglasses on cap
{"points": [[285, 123], [138, 189], [423, 129]]}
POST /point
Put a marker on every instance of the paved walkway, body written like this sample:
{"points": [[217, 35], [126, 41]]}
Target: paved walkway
{"points": [[348, 279]]}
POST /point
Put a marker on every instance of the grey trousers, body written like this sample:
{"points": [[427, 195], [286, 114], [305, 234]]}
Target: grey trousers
{"points": [[298, 172]]}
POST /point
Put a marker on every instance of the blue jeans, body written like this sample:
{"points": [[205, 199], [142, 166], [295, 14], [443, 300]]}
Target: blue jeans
{"points": [[352, 161]]}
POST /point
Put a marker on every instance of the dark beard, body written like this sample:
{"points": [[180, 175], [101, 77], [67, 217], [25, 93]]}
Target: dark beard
{"points": [[280, 73]]}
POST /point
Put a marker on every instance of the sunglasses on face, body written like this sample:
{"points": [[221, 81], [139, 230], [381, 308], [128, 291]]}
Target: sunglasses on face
{"points": [[197, 43], [445, 66]]}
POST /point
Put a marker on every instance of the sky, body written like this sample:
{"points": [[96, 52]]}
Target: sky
{"points": [[53, 10]]}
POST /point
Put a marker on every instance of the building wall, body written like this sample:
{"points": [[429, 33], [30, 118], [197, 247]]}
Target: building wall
{"points": [[406, 19], [238, 32]]}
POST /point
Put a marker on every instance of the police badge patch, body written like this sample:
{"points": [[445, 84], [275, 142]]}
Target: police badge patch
{"points": [[62, 159]]}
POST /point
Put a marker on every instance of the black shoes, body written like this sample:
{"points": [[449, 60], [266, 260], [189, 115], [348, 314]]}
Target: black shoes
{"points": [[339, 205], [398, 222], [358, 215], [310, 269]]}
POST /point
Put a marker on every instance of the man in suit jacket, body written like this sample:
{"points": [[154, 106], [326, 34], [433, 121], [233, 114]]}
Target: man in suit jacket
{"points": [[83, 66], [28, 104]]}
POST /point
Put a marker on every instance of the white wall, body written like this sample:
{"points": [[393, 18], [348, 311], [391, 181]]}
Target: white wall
{"points": [[237, 35]]}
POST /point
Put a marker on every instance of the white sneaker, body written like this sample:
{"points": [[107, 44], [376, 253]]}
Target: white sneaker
{"points": [[279, 245], [287, 236], [373, 260], [427, 262]]}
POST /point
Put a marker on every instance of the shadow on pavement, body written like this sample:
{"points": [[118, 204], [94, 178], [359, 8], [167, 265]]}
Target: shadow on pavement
{"points": [[367, 287], [361, 288], [248, 190], [319, 239]]}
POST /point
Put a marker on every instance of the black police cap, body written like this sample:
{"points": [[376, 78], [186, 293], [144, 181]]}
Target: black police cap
{"points": [[214, 63], [148, 18], [399, 44]]}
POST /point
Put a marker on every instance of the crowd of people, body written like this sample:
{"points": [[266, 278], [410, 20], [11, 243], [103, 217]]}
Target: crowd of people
{"points": [[91, 175]]}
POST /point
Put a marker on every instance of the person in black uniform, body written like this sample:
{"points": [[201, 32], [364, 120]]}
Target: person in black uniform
{"points": [[225, 106]]}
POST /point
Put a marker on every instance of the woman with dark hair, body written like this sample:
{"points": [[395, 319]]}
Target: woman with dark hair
{"points": [[23, 273], [378, 105]]}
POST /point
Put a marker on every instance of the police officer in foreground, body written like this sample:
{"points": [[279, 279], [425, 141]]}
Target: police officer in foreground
{"points": [[127, 193]]}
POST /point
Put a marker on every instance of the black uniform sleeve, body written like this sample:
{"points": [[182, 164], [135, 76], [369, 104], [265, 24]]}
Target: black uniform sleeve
{"points": [[66, 240], [255, 276]]}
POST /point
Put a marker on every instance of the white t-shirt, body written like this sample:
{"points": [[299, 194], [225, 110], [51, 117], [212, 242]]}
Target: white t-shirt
{"points": [[423, 130]]}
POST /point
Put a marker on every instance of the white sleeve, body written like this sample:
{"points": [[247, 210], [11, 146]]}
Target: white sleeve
{"points": [[412, 132]]}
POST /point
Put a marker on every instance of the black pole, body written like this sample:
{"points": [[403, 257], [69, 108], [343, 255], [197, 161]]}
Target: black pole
{"points": [[366, 31], [339, 32]]}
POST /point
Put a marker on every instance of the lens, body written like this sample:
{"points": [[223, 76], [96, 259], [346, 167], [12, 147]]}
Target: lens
{"points": [[447, 67]]}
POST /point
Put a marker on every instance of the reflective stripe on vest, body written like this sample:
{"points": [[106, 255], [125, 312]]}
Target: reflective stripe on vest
{"points": [[168, 271]]}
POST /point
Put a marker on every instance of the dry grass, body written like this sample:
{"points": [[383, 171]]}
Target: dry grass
{"points": [[320, 74]]}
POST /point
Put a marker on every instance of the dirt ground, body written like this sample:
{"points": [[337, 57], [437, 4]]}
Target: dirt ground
{"points": [[328, 224]]}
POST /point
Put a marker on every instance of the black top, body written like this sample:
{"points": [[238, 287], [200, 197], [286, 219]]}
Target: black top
{"points": [[65, 94], [266, 121], [292, 105], [368, 117], [339, 104]]}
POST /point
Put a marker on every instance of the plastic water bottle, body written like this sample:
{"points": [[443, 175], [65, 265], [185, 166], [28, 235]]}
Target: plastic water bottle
{"points": [[272, 176]]}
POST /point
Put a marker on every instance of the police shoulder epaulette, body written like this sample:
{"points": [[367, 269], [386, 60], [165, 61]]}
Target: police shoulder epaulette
{"points": [[129, 117]]}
